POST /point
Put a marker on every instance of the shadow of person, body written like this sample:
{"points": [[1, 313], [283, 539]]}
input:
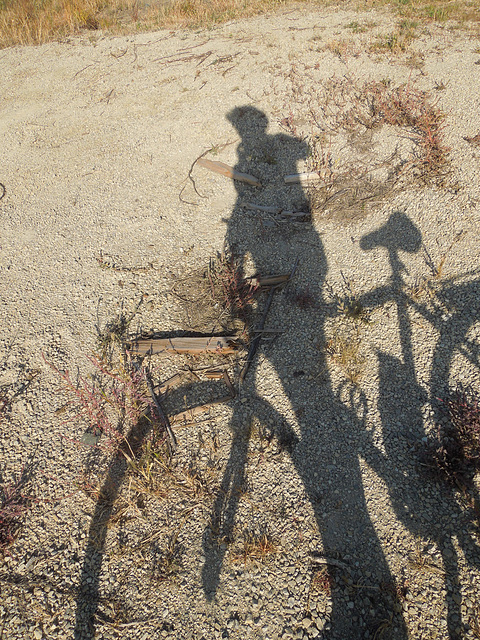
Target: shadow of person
{"points": [[427, 510], [327, 435]]}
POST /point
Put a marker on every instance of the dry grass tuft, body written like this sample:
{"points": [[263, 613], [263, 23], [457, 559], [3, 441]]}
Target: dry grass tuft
{"points": [[474, 622], [344, 349], [37, 21], [343, 48], [33, 22], [344, 338], [256, 547]]}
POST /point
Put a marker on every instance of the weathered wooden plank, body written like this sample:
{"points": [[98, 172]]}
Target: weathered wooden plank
{"points": [[211, 344], [273, 281], [302, 178], [229, 172]]}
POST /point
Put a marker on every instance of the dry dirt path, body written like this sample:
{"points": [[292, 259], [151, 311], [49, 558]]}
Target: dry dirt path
{"points": [[98, 138]]}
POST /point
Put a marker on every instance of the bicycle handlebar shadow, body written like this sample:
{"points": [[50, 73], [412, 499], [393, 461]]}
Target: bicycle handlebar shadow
{"points": [[329, 435]]}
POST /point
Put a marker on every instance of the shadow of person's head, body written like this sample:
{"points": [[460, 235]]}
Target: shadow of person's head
{"points": [[248, 121]]}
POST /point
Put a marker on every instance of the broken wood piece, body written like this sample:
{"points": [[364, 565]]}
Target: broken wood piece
{"points": [[212, 344], [266, 332], [229, 172], [172, 441], [294, 216], [229, 384], [259, 207], [302, 178], [273, 281], [213, 375], [164, 387], [190, 414]]}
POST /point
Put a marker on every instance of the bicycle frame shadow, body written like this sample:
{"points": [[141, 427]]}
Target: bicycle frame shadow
{"points": [[425, 508]]}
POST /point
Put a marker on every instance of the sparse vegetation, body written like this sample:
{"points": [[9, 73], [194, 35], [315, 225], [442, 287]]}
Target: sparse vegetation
{"points": [[397, 41], [107, 405], [357, 27], [218, 295], [377, 103], [344, 343], [256, 547], [343, 348], [475, 622], [322, 581], [456, 453], [344, 119], [237, 292], [32, 22], [113, 334], [342, 48], [428, 285], [14, 504]]}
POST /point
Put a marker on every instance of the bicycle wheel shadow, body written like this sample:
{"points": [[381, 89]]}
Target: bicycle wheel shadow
{"points": [[88, 596], [428, 510], [327, 436]]}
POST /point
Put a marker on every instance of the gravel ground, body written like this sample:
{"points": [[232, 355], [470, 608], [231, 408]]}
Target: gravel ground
{"points": [[320, 454]]}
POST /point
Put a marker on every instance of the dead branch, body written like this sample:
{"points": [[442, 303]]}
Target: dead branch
{"points": [[280, 214], [119, 55], [190, 177], [272, 281], [185, 50], [323, 560], [88, 65]]}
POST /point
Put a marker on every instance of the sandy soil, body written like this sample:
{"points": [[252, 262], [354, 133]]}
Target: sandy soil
{"points": [[99, 135]]}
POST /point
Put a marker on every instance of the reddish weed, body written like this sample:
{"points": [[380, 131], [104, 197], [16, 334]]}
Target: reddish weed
{"points": [[237, 292], [322, 581], [304, 298], [376, 103], [108, 403], [456, 454]]}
